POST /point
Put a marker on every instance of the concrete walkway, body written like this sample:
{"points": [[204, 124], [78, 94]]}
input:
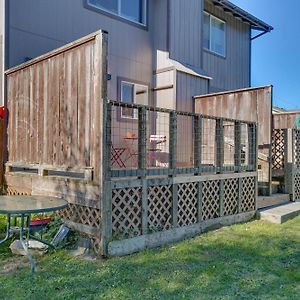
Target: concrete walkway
{"points": [[280, 214]]}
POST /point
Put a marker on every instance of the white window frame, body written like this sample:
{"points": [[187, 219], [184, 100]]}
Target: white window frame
{"points": [[119, 14], [134, 84], [210, 26]]}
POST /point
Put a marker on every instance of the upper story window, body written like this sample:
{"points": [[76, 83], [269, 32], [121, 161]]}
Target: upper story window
{"points": [[132, 10], [214, 34]]}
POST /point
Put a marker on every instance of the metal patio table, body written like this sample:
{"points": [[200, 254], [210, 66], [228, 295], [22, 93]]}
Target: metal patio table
{"points": [[21, 207]]}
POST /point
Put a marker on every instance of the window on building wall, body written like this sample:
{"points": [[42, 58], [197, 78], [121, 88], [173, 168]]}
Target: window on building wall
{"points": [[214, 34], [132, 93], [133, 10]]}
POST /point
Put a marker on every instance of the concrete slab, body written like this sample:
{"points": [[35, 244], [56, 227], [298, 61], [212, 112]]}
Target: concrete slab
{"points": [[275, 199], [280, 214]]}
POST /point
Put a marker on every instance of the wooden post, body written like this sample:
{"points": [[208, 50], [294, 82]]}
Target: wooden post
{"points": [[197, 144], [219, 146], [173, 142], [237, 147], [142, 140], [222, 197], [172, 165], [251, 147], [105, 125], [144, 206], [199, 200], [142, 144]]}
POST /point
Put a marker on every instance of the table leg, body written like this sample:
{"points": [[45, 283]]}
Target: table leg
{"points": [[7, 236], [25, 243]]}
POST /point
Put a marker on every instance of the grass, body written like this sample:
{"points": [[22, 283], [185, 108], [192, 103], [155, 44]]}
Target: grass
{"points": [[256, 260]]}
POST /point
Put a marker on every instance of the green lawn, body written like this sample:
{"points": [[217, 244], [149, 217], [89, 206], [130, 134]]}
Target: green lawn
{"points": [[256, 260]]}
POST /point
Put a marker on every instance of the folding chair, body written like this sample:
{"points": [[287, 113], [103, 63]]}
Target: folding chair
{"points": [[154, 152], [116, 156]]}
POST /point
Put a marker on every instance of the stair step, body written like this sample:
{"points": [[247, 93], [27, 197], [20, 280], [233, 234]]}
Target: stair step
{"points": [[280, 214], [275, 199]]}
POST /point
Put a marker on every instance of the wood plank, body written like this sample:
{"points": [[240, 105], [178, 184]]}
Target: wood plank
{"points": [[83, 73]]}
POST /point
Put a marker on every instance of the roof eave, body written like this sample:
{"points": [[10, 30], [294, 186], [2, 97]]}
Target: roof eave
{"points": [[238, 12]]}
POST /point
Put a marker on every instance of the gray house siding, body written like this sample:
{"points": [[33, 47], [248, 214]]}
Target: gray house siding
{"points": [[47, 25], [233, 71], [188, 86], [174, 32], [185, 37]]}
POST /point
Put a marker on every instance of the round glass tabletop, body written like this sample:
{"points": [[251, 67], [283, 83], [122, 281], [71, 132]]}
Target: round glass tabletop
{"points": [[30, 204]]}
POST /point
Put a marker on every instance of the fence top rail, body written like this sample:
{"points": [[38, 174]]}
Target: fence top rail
{"points": [[55, 52], [181, 113], [233, 92]]}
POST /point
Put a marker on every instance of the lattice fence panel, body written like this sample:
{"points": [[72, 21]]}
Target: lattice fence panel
{"points": [[297, 148], [297, 187], [248, 194], [12, 191], [126, 213], [81, 214], [210, 199], [231, 196], [278, 149], [159, 208], [187, 203]]}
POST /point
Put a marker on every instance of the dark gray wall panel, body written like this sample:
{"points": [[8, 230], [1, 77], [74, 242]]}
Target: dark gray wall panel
{"points": [[233, 71], [186, 31]]}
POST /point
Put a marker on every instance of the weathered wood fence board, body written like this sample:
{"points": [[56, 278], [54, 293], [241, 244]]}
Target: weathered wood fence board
{"points": [[55, 129], [285, 120], [55, 109]]}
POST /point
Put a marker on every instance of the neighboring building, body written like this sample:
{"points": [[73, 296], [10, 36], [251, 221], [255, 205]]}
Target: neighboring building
{"points": [[161, 52]]}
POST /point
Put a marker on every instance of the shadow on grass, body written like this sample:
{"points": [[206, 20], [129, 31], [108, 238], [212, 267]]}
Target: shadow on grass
{"points": [[254, 260]]}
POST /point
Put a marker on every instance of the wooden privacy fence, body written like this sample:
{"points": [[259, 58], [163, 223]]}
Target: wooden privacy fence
{"points": [[187, 185], [55, 128]]}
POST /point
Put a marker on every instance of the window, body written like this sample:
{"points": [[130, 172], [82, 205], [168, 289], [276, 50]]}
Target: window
{"points": [[132, 93], [133, 10], [214, 34]]}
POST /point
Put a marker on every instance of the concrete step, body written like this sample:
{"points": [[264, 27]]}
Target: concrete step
{"points": [[275, 199], [275, 187], [281, 213]]}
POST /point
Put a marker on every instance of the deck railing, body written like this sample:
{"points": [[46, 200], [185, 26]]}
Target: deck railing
{"points": [[200, 172], [193, 144]]}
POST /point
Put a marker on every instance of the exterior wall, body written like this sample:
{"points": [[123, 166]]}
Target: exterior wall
{"points": [[187, 86], [185, 37], [51, 24], [174, 32], [233, 71]]}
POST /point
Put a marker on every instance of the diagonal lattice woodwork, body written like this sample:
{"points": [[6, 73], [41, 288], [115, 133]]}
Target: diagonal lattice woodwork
{"points": [[296, 187], [126, 213], [82, 215], [231, 196], [278, 149], [248, 201], [187, 203], [159, 208], [297, 148], [210, 199]]}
